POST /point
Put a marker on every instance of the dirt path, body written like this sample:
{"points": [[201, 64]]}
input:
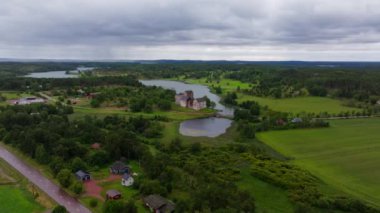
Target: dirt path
{"points": [[46, 185]]}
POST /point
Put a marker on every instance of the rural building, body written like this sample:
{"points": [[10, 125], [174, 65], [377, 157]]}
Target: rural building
{"points": [[93, 95], [113, 194], [187, 100], [127, 180], [280, 122], [119, 168], [199, 103], [158, 204], [181, 100], [82, 175], [27, 101]]}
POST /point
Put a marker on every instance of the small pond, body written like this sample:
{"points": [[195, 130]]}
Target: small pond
{"points": [[208, 127]]}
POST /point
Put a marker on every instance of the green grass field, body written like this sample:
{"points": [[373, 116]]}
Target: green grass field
{"points": [[300, 104], [346, 155], [11, 195], [13, 190]]}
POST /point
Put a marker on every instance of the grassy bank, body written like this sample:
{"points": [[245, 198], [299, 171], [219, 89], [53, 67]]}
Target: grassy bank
{"points": [[346, 155]]}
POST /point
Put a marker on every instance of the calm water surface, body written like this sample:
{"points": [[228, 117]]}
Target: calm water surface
{"points": [[208, 127], [59, 74]]}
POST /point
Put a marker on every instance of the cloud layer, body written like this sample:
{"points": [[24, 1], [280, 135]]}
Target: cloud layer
{"points": [[197, 29]]}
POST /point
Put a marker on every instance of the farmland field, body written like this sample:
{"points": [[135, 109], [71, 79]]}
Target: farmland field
{"points": [[346, 155], [300, 104]]}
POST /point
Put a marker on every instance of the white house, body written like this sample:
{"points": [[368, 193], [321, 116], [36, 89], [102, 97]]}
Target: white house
{"points": [[127, 180]]}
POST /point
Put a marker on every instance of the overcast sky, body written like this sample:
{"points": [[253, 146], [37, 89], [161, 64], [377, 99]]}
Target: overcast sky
{"points": [[344, 30]]}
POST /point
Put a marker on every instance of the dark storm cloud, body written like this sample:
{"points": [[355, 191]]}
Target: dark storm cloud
{"points": [[210, 29]]}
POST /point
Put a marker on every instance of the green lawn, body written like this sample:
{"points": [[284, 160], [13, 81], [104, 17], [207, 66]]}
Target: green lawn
{"points": [[11, 195], [346, 155], [300, 104], [13, 190]]}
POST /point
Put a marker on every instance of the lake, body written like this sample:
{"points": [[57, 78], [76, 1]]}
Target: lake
{"points": [[208, 127], [59, 74]]}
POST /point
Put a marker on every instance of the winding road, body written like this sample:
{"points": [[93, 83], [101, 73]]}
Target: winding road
{"points": [[54, 191]]}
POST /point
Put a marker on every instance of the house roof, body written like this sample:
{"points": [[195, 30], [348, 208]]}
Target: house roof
{"points": [[81, 173], [158, 202], [118, 165], [113, 193], [154, 201], [169, 207]]}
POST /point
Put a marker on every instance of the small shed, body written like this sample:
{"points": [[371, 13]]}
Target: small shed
{"points": [[82, 175], [119, 168], [127, 180], [156, 203], [113, 194]]}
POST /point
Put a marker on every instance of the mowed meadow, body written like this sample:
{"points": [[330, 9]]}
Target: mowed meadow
{"points": [[308, 104], [346, 155]]}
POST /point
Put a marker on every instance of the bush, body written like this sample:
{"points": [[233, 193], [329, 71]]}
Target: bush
{"points": [[93, 203], [59, 209], [77, 187], [65, 177]]}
